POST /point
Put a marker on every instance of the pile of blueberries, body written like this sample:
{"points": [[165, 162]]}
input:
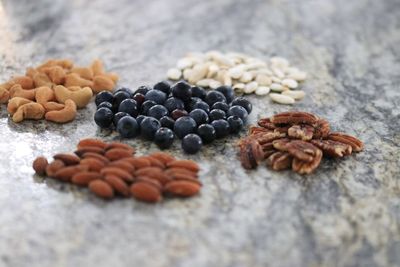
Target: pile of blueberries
{"points": [[159, 113]]}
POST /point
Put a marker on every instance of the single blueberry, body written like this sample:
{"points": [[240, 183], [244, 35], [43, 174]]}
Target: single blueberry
{"points": [[156, 96], [118, 116], [164, 137], [217, 114], [149, 127], [243, 102], [142, 90], [199, 115], [177, 113], [174, 103], [227, 91], [103, 117], [221, 128], [128, 127], [157, 112], [129, 106], [139, 98], [140, 118], [104, 96], [193, 100], [119, 97], [184, 126], [221, 105], [124, 89], [146, 106], [206, 132], [105, 104], [214, 97], [202, 105], [239, 111], [199, 92], [167, 122], [235, 124], [182, 90], [191, 143], [163, 86]]}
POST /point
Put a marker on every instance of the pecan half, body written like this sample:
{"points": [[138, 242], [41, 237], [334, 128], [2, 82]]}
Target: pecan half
{"points": [[263, 138], [251, 153], [302, 150], [303, 167], [321, 129], [255, 130], [294, 117], [266, 123], [303, 132], [281, 144], [355, 143], [279, 161], [333, 148]]}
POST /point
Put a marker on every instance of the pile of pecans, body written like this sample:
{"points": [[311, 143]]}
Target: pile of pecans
{"points": [[54, 90], [296, 140], [111, 168], [245, 74]]}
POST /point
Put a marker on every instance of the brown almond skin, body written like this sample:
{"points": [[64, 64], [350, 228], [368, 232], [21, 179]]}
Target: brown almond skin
{"points": [[139, 162], [94, 164], [186, 164], [53, 167], [172, 171], [96, 156], [126, 166], [145, 192], [117, 153], [101, 189], [117, 184], [185, 177], [84, 178], [93, 149], [163, 157], [68, 159], [126, 176], [156, 163], [65, 174], [39, 165], [120, 145], [182, 188], [91, 142], [151, 181]]}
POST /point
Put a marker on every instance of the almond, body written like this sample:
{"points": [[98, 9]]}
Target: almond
{"points": [[185, 164], [101, 189], [153, 173], [65, 174], [39, 165], [124, 165], [145, 192], [93, 149], [185, 177], [96, 156], [117, 153], [163, 157], [150, 181], [118, 172], [84, 178], [118, 184], [156, 163], [172, 171], [53, 167], [68, 159], [120, 145], [140, 162], [94, 164], [91, 142], [182, 188]]}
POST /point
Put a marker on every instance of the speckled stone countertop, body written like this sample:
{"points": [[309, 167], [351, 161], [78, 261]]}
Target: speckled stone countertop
{"points": [[345, 214]]}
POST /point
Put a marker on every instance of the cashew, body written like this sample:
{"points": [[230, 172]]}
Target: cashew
{"points": [[51, 106], [68, 113], [102, 82], [56, 74], [47, 64], [85, 73], [15, 103], [26, 82], [31, 72], [80, 97], [41, 79], [97, 67], [44, 94], [74, 79], [33, 111], [74, 88], [113, 76], [65, 63], [16, 90], [4, 95]]}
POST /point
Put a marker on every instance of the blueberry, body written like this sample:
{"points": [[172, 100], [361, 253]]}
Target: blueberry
{"points": [[174, 103], [191, 143], [120, 96], [182, 90], [103, 117], [177, 113], [142, 90], [167, 122], [221, 128], [105, 104], [124, 89], [206, 132], [199, 115], [139, 98], [214, 97], [217, 114], [243, 102], [202, 105], [235, 124], [191, 103], [157, 112], [164, 137], [199, 92], [149, 127], [221, 105], [163, 86], [146, 106], [156, 96], [129, 106], [227, 91], [140, 118], [184, 126], [238, 111], [127, 127], [118, 116], [104, 96]]}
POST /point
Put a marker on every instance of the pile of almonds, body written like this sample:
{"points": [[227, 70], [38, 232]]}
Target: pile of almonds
{"points": [[296, 140], [54, 90], [245, 74], [111, 168]]}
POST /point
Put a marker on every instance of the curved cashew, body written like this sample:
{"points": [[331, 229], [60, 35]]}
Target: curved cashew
{"points": [[97, 67], [74, 88], [68, 113], [80, 97], [85, 73], [44, 94], [51, 106], [102, 82], [4, 95], [113, 76], [56, 74], [33, 111], [15, 103], [26, 82], [16, 90], [31, 72], [41, 79], [74, 79]]}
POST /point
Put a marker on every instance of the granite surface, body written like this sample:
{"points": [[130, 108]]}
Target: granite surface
{"points": [[345, 214]]}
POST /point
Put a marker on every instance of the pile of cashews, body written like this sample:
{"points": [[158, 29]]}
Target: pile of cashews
{"points": [[55, 90]]}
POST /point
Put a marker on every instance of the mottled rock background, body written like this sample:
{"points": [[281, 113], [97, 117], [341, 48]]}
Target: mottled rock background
{"points": [[345, 214]]}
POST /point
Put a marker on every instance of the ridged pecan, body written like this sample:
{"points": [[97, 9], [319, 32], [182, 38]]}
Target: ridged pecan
{"points": [[251, 153], [302, 150], [332, 148], [355, 143], [303, 167], [279, 161], [267, 124], [255, 130], [304, 132], [263, 138], [321, 129], [281, 144], [294, 117]]}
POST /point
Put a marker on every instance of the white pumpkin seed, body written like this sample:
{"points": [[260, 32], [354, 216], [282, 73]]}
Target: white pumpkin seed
{"points": [[212, 70], [276, 87], [187, 73], [296, 94], [275, 79], [298, 76], [262, 90], [279, 62], [236, 72], [250, 87], [290, 83], [281, 99], [214, 84], [174, 74], [199, 72], [246, 77], [227, 80], [239, 87], [204, 82], [184, 63], [263, 80], [278, 73]]}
